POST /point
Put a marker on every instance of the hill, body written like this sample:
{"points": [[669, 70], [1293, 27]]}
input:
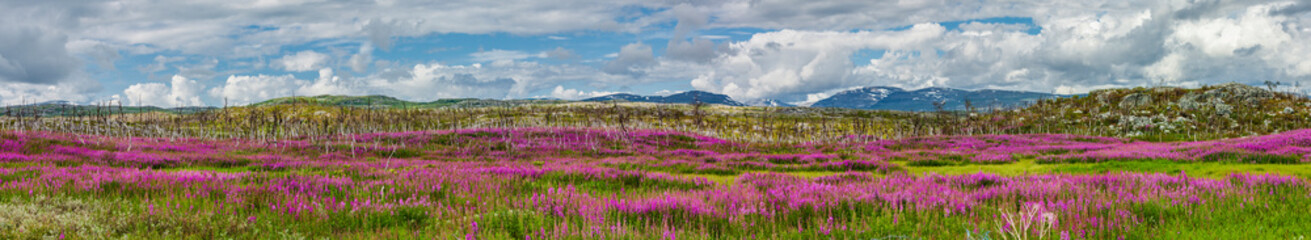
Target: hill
{"points": [[688, 97], [1172, 113], [66, 109], [379, 101], [928, 99]]}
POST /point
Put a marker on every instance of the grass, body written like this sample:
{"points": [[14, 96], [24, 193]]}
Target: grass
{"points": [[1214, 170], [729, 180]]}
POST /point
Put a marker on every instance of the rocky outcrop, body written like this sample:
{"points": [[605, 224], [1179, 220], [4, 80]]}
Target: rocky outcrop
{"points": [[1221, 97], [1134, 100]]}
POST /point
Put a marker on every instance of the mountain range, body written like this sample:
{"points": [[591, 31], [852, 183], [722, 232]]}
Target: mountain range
{"points": [[688, 97], [869, 98], [927, 99]]}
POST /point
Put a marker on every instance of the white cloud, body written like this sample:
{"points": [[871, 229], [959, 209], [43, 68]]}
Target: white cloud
{"points": [[242, 90], [501, 55], [328, 84], [78, 90], [421, 82], [794, 63], [307, 60], [575, 94], [805, 52], [1078, 50], [180, 92]]}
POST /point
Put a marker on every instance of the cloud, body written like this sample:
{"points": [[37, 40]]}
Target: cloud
{"points": [[631, 60], [1077, 51], [219, 28], [575, 94], [421, 82], [34, 55], [180, 92], [695, 49], [242, 90], [795, 63], [803, 49], [430, 82], [103, 54], [76, 90], [328, 84], [500, 55], [379, 33], [561, 53], [307, 60], [362, 59]]}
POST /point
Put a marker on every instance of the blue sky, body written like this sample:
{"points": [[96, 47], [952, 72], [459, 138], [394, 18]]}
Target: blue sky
{"points": [[243, 51]]}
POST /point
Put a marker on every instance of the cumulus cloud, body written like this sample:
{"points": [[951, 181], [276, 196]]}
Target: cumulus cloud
{"points": [[804, 49], [242, 90], [421, 82], [1076, 51], [77, 90], [180, 92], [799, 62], [328, 84], [575, 94], [307, 60], [434, 81]]}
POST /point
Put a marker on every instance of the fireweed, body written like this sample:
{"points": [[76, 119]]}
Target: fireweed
{"points": [[539, 183]]}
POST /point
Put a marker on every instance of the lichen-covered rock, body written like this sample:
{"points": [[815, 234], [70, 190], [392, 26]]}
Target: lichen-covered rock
{"points": [[1103, 96], [1223, 95], [1134, 100], [1223, 109]]}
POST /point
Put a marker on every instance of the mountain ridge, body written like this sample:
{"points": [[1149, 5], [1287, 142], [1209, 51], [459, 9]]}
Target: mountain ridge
{"points": [[928, 99]]}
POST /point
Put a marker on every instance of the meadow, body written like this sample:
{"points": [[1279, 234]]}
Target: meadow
{"points": [[627, 183]]}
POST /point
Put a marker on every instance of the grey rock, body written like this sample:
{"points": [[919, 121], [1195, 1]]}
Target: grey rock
{"points": [[1103, 95], [1288, 110], [1222, 95], [1134, 100], [1224, 109]]}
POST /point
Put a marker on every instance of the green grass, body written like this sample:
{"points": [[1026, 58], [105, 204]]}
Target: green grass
{"points": [[1197, 169], [729, 180]]}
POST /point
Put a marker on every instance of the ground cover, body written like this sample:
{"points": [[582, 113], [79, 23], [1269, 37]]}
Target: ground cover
{"points": [[554, 183]]}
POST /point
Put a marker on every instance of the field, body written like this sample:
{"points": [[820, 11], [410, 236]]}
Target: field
{"points": [[623, 183]]}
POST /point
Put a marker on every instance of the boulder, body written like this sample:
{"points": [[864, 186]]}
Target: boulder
{"points": [[1134, 100]]}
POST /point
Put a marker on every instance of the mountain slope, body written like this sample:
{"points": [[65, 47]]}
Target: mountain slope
{"points": [[688, 97], [378, 101], [68, 109], [891, 98]]}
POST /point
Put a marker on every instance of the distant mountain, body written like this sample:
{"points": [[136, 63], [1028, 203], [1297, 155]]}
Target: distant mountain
{"points": [[688, 97], [891, 98], [769, 102], [379, 101], [69, 109]]}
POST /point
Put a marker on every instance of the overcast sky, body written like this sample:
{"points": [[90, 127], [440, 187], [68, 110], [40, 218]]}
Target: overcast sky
{"points": [[201, 52]]}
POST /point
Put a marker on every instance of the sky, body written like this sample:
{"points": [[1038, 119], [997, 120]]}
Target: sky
{"points": [[216, 52]]}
